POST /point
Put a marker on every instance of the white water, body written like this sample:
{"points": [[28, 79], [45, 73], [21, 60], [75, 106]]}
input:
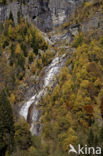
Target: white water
{"points": [[50, 73], [24, 110]]}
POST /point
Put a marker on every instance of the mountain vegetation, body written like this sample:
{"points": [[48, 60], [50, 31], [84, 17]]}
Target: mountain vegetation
{"points": [[22, 48], [72, 110]]}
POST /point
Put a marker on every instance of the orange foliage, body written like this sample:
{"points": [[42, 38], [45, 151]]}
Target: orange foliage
{"points": [[89, 109]]}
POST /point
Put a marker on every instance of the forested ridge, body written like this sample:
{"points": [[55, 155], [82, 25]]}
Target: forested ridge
{"points": [[71, 109]]}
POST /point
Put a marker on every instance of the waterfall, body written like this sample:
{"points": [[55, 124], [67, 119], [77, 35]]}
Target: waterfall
{"points": [[50, 73]]}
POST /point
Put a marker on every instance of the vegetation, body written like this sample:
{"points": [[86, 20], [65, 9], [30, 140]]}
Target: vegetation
{"points": [[22, 47], [72, 111], [77, 98], [86, 10], [6, 124], [2, 1]]}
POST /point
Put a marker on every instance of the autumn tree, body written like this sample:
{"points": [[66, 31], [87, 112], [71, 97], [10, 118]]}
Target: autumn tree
{"points": [[5, 74], [22, 135]]}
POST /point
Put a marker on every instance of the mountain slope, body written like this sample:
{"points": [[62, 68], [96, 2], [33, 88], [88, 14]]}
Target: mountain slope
{"points": [[59, 87]]}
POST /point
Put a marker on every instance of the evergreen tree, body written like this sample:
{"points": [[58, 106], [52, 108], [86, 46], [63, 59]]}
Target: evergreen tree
{"points": [[6, 124], [11, 16], [96, 141], [35, 45], [90, 139], [101, 135], [18, 16], [22, 135], [3, 1]]}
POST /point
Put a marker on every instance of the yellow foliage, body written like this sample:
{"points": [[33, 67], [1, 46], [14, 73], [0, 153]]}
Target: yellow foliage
{"points": [[31, 149], [18, 49], [84, 84], [71, 138], [11, 32], [12, 98], [87, 4], [56, 91], [98, 82]]}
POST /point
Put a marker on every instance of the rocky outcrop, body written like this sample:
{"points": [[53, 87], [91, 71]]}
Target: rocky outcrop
{"points": [[94, 22], [46, 14], [2, 13]]}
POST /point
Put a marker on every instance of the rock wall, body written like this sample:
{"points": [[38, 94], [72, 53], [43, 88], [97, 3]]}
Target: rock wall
{"points": [[95, 22], [46, 14]]}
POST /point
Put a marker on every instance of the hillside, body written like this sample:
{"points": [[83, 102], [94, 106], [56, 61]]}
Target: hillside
{"points": [[51, 84]]}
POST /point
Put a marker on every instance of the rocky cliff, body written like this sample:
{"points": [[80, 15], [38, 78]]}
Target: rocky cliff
{"points": [[46, 14]]}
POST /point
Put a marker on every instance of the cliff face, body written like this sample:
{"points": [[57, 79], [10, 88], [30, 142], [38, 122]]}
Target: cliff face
{"points": [[45, 13]]}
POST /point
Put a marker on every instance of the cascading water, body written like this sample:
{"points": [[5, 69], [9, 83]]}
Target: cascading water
{"points": [[50, 72]]}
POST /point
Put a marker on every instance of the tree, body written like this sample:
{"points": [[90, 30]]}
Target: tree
{"points": [[11, 16], [18, 16], [12, 99], [34, 43], [5, 74], [22, 135], [2, 1], [6, 124], [12, 48], [90, 139], [18, 49], [101, 135], [11, 32]]}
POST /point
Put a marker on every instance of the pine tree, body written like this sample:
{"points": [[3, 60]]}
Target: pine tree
{"points": [[6, 124], [22, 135], [35, 44], [90, 139], [96, 141], [18, 16], [11, 16], [101, 135]]}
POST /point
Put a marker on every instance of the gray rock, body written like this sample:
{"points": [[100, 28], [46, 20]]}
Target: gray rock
{"points": [[94, 22], [46, 14]]}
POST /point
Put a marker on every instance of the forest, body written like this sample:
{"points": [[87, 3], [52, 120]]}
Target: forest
{"points": [[72, 111]]}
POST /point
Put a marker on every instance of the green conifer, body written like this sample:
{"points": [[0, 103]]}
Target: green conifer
{"points": [[6, 124]]}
